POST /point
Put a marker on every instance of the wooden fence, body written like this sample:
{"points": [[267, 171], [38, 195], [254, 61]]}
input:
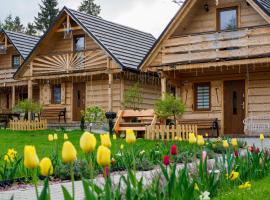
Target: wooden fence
{"points": [[26, 125], [163, 132]]}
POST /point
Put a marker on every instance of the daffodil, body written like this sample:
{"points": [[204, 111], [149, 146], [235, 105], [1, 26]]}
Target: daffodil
{"points": [[130, 136], [31, 160], [233, 176], [46, 168], [105, 140], [192, 138], [50, 137], [103, 156], [121, 146], [114, 137], [88, 142], [65, 136], [234, 142], [69, 153], [245, 185]]}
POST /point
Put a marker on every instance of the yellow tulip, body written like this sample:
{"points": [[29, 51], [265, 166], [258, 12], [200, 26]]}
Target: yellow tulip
{"points": [[234, 142], [234, 175], [245, 185], [103, 156], [130, 136], [55, 136], [69, 153], [200, 140], [65, 136], [206, 135], [114, 137], [46, 168], [88, 142], [50, 137], [192, 138], [176, 138], [31, 160], [105, 140], [196, 187], [261, 137], [225, 144]]}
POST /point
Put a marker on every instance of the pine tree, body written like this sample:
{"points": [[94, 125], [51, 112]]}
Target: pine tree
{"points": [[89, 7], [11, 24], [31, 29], [48, 12]]}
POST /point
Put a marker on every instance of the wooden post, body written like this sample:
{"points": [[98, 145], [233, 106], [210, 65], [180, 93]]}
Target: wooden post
{"points": [[13, 96], [163, 86], [30, 95], [110, 91]]}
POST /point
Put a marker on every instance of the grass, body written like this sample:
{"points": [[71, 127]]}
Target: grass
{"points": [[259, 190]]}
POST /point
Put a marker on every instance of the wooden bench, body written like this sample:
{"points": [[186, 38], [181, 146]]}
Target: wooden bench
{"points": [[135, 120], [210, 125], [52, 114]]}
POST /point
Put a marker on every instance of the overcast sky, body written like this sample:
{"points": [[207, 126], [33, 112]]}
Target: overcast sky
{"points": [[147, 15]]}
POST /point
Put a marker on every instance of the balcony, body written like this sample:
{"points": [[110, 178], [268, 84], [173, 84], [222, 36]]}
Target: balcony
{"points": [[6, 76], [252, 42], [69, 62]]}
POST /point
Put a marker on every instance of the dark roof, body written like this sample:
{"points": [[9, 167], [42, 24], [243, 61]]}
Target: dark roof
{"points": [[126, 45], [22, 42], [265, 5]]}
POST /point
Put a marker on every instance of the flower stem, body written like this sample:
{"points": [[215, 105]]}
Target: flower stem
{"points": [[35, 182], [134, 163], [72, 180]]}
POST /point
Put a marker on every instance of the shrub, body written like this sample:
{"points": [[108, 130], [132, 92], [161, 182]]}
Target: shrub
{"points": [[94, 114], [26, 106], [133, 97]]}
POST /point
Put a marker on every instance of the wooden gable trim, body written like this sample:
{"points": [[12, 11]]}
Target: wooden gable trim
{"points": [[259, 10], [178, 19], [52, 29]]}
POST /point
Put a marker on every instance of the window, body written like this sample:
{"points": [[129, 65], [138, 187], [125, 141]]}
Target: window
{"points": [[16, 61], [227, 19], [56, 94], [79, 43], [202, 96]]}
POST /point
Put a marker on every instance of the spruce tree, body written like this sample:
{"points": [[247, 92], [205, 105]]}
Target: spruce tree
{"points": [[11, 24], [31, 29], [89, 7], [46, 15]]}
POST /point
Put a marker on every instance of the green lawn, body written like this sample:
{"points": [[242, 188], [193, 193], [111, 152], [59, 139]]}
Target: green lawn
{"points": [[260, 190]]}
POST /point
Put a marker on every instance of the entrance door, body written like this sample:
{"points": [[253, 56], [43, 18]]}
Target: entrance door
{"points": [[78, 100], [234, 106]]}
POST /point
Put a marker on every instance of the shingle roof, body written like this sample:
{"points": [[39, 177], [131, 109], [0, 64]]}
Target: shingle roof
{"points": [[126, 45], [265, 5], [22, 42]]}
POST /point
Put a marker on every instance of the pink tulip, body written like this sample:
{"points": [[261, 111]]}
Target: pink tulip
{"points": [[204, 155]]}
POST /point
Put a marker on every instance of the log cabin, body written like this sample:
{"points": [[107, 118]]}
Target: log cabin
{"points": [[216, 54], [83, 61], [14, 48]]}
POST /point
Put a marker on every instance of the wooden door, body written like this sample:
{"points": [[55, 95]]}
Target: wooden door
{"points": [[78, 100], [234, 107]]}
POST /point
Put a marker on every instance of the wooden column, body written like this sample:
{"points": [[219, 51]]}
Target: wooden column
{"points": [[110, 85], [30, 94], [163, 86], [13, 96]]}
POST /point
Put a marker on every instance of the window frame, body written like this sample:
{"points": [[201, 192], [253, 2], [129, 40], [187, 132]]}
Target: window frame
{"points": [[53, 94], [74, 44], [12, 59], [219, 10], [195, 86]]}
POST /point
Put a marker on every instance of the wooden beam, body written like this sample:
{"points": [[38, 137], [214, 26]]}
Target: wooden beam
{"points": [[110, 103], [72, 28], [30, 94], [13, 96], [163, 86]]}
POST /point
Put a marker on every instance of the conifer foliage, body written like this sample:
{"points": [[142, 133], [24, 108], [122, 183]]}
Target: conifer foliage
{"points": [[89, 7]]}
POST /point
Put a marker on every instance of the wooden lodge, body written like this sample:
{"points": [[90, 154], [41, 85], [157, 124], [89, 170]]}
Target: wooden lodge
{"points": [[83, 61], [14, 48], [216, 54]]}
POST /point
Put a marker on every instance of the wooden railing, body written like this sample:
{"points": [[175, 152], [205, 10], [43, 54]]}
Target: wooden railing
{"points": [[244, 43], [69, 62], [26, 125], [6, 75], [163, 132]]}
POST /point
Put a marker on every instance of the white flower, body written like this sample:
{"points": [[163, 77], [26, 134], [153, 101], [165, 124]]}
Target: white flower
{"points": [[142, 152], [118, 154], [205, 196]]}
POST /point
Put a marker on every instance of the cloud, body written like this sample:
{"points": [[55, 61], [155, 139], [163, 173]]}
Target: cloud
{"points": [[147, 15]]}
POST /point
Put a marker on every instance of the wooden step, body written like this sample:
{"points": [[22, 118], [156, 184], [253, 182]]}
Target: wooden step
{"points": [[133, 128]]}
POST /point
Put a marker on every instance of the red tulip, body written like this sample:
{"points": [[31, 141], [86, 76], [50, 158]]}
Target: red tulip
{"points": [[174, 149], [106, 171], [236, 154], [166, 160], [257, 150], [251, 149]]}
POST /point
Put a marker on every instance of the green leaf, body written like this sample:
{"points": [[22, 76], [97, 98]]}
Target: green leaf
{"points": [[66, 194], [88, 193], [44, 192]]}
